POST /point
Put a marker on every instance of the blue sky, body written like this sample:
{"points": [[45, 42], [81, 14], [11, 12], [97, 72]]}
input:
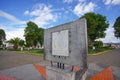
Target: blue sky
{"points": [[14, 14]]}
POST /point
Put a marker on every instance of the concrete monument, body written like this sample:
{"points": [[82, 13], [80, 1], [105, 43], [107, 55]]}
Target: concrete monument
{"points": [[66, 46]]}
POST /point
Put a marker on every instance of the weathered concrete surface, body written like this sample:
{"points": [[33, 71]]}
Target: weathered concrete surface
{"points": [[96, 68], [66, 44], [58, 74], [26, 72], [77, 43], [100, 62]]}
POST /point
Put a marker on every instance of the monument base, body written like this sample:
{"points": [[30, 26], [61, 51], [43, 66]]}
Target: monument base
{"points": [[59, 74]]}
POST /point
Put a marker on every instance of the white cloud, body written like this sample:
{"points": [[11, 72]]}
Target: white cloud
{"points": [[26, 12], [67, 1], [11, 29], [107, 2], [110, 36], [116, 2], [82, 0], [19, 32], [12, 32], [9, 17], [112, 2], [82, 8], [42, 14]]}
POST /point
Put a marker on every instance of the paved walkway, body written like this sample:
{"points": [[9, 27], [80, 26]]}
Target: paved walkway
{"points": [[14, 59], [29, 72], [100, 62], [24, 69], [111, 58], [94, 69], [25, 72], [20, 66]]}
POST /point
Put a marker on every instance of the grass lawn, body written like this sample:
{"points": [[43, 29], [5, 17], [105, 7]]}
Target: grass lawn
{"points": [[39, 52], [98, 50]]}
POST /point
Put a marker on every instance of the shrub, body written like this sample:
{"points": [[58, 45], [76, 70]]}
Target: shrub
{"points": [[98, 44]]}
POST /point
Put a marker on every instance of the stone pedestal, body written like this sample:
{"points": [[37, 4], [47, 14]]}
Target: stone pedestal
{"points": [[59, 74], [84, 76]]}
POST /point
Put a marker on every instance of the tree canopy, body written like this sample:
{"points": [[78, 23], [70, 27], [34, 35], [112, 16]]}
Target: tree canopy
{"points": [[96, 25], [117, 27], [41, 36], [16, 42], [33, 34], [21, 42], [98, 44], [2, 36]]}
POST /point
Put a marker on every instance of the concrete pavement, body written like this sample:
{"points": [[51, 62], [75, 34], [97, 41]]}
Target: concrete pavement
{"points": [[111, 58], [10, 59], [95, 65], [25, 72], [29, 72]]}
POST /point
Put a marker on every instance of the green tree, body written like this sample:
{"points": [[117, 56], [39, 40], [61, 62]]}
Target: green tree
{"points": [[2, 36], [41, 36], [21, 44], [98, 44], [117, 27], [31, 34], [96, 26], [15, 42]]}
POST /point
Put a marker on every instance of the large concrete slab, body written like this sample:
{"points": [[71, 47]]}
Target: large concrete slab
{"points": [[58, 74], [67, 43], [25, 72], [28, 72], [94, 69]]}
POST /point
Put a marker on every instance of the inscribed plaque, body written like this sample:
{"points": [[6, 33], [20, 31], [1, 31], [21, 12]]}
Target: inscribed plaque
{"points": [[60, 43]]}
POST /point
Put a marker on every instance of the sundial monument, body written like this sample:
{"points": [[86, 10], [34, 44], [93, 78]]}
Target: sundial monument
{"points": [[66, 48]]}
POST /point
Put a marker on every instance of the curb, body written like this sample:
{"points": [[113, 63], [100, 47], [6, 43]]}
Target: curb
{"points": [[95, 54], [25, 52]]}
